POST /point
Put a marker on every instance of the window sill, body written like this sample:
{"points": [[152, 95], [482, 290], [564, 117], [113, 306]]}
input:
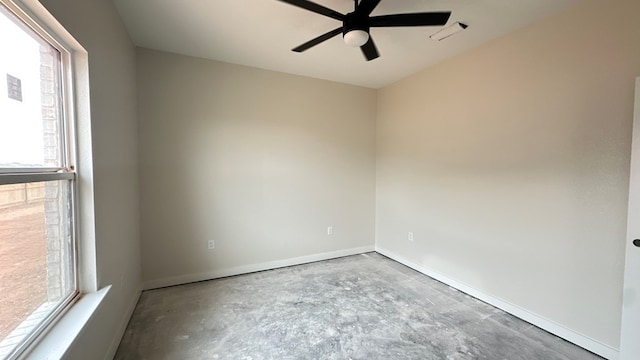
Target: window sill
{"points": [[55, 343]]}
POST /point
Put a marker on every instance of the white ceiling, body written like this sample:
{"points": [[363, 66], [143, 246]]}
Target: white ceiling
{"points": [[261, 33]]}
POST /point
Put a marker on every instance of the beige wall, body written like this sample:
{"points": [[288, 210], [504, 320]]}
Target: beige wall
{"points": [[258, 161], [510, 165], [97, 26]]}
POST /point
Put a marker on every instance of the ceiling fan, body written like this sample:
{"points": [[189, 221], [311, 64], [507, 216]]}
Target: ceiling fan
{"points": [[355, 25]]}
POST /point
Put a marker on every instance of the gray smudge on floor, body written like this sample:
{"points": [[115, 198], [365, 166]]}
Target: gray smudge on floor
{"points": [[357, 307]]}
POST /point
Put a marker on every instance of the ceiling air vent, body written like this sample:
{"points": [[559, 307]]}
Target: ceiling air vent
{"points": [[448, 31]]}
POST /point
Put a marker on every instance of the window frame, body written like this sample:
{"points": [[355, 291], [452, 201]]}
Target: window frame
{"points": [[76, 163]]}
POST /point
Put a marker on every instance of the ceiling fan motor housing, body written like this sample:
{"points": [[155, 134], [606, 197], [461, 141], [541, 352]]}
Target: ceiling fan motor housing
{"points": [[355, 22]]}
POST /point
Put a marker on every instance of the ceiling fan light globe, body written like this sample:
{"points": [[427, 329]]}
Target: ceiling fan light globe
{"points": [[356, 38]]}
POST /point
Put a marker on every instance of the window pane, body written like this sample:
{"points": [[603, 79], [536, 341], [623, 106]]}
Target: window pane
{"points": [[29, 98], [36, 254]]}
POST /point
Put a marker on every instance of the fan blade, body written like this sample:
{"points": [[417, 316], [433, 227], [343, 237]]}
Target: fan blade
{"points": [[369, 50], [318, 40], [318, 9], [417, 19], [366, 6]]}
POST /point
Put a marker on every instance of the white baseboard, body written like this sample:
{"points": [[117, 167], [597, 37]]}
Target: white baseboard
{"points": [[122, 327], [581, 340], [238, 270]]}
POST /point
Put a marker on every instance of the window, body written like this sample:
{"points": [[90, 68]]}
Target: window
{"points": [[38, 265]]}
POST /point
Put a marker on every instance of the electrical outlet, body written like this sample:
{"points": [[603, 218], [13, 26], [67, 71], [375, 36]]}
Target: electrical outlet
{"points": [[211, 245], [330, 230], [410, 236]]}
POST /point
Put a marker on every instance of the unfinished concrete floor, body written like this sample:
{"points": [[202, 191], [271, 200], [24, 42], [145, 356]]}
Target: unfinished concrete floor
{"points": [[357, 307]]}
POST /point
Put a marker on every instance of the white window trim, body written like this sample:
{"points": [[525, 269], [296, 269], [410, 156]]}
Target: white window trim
{"points": [[55, 342], [59, 336]]}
